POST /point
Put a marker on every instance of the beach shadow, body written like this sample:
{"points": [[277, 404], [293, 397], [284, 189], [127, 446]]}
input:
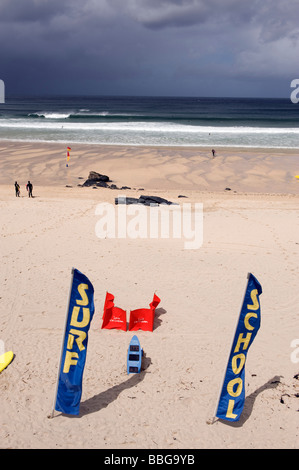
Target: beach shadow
{"points": [[103, 399], [249, 403], [157, 319]]}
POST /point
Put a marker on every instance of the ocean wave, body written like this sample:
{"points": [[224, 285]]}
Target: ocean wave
{"points": [[153, 121], [82, 114], [145, 127], [49, 115], [196, 120]]}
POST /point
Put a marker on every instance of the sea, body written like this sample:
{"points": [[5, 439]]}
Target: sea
{"points": [[152, 121]]}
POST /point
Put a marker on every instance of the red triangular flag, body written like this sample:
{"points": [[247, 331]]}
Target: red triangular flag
{"points": [[143, 318], [113, 317]]}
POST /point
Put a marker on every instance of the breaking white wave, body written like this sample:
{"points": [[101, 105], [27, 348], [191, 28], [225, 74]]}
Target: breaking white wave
{"points": [[50, 115]]}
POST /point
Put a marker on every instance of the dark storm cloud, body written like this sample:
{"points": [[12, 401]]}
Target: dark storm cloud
{"points": [[30, 10], [179, 13], [149, 46], [274, 18], [163, 14]]}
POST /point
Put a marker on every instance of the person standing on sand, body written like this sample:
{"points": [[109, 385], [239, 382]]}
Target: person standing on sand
{"points": [[213, 152], [29, 188], [17, 188]]}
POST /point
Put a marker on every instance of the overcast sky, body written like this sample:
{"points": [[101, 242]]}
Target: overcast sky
{"points": [[150, 47]]}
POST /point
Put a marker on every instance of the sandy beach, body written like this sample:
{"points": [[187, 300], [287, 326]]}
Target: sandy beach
{"points": [[250, 224]]}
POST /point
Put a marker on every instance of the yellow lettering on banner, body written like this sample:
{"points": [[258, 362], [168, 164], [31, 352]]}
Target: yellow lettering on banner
{"points": [[235, 386], [231, 384], [242, 340], [71, 359], [237, 369], [70, 341], [85, 320], [255, 305], [246, 320], [84, 299], [230, 407], [81, 337]]}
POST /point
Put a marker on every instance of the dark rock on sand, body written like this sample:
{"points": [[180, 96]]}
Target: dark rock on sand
{"points": [[96, 179], [145, 200]]}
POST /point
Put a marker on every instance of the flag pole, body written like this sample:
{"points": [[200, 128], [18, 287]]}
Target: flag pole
{"points": [[63, 337], [211, 421]]}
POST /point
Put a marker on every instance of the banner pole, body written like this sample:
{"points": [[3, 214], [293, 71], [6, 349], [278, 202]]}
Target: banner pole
{"points": [[63, 337], [224, 374]]}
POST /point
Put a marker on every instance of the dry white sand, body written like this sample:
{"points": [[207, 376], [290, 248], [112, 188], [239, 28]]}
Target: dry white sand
{"points": [[253, 227]]}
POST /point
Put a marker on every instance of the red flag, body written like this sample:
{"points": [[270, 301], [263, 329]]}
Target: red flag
{"points": [[68, 155], [143, 318], [113, 317]]}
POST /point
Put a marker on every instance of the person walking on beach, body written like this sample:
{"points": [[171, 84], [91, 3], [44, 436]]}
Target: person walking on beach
{"points": [[29, 188], [213, 152], [17, 188]]}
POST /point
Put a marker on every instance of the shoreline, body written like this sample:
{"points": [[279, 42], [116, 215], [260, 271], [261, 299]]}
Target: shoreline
{"points": [[171, 147]]}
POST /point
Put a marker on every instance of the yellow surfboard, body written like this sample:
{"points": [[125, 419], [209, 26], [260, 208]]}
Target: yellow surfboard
{"points": [[5, 359]]}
